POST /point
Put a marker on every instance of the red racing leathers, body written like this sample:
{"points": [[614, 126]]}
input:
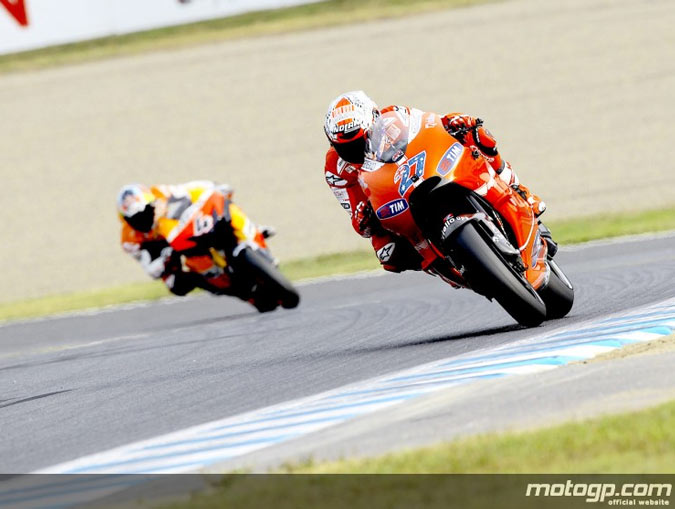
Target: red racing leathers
{"points": [[395, 253]]}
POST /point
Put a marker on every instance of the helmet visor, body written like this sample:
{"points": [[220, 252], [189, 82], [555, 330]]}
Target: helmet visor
{"points": [[142, 221], [388, 139], [352, 151]]}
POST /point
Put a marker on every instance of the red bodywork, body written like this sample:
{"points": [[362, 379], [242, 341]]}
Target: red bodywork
{"points": [[432, 152]]}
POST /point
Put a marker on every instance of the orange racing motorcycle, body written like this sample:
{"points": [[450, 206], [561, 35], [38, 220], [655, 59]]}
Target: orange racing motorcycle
{"points": [[212, 237], [470, 227]]}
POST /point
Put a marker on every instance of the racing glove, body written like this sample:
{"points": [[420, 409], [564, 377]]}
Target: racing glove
{"points": [[455, 123], [155, 267], [366, 220], [470, 131]]}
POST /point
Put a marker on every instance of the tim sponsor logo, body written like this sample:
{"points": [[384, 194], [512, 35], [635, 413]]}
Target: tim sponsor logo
{"points": [[450, 158], [391, 209]]}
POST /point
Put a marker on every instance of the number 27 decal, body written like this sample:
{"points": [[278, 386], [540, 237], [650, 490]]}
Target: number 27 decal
{"points": [[410, 172]]}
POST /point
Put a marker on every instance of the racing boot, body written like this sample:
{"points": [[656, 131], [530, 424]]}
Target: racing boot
{"points": [[471, 132], [538, 206], [267, 231], [395, 253]]}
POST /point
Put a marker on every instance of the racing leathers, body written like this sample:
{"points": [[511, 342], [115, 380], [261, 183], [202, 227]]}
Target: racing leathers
{"points": [[395, 253], [152, 250]]}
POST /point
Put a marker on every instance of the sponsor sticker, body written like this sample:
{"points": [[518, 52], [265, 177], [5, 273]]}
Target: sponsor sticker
{"points": [[371, 165], [450, 159], [385, 252], [449, 223], [335, 180], [410, 172], [393, 208], [343, 197]]}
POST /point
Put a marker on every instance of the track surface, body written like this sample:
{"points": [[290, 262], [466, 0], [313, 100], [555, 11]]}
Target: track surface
{"points": [[78, 385]]}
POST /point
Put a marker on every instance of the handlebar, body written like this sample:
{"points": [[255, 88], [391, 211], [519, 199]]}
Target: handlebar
{"points": [[462, 131]]}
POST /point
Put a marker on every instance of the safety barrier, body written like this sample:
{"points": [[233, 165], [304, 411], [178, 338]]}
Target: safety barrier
{"points": [[32, 24]]}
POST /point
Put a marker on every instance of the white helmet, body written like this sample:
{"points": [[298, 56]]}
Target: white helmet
{"points": [[136, 206], [348, 119]]}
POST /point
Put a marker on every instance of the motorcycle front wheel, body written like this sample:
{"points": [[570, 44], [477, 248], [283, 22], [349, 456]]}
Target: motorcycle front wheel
{"points": [[490, 274], [271, 286]]}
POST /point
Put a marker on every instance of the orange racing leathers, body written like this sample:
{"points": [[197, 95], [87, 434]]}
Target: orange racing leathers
{"points": [[152, 250], [395, 253]]}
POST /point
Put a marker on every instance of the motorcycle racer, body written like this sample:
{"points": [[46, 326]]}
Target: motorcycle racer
{"points": [[150, 215], [347, 123]]}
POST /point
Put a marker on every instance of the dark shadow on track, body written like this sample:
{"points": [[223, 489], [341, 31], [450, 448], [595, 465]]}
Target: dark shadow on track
{"points": [[207, 321], [440, 339], [138, 346], [468, 335], [25, 400], [299, 357]]}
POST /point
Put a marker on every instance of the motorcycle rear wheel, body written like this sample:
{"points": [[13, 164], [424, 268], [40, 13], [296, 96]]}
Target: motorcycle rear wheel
{"points": [[486, 270], [558, 294]]}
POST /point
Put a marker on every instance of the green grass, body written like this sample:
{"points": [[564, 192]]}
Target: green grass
{"points": [[327, 13], [74, 301], [566, 232], [325, 265], [637, 442], [605, 226], [343, 263]]}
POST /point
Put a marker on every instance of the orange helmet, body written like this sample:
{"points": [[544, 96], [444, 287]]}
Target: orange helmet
{"points": [[348, 119], [136, 206]]}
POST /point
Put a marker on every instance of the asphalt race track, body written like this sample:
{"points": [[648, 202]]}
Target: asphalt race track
{"points": [[78, 385]]}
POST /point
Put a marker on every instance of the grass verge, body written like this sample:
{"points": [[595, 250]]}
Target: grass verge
{"points": [[326, 13], [566, 232], [342, 263], [583, 229], [636, 442]]}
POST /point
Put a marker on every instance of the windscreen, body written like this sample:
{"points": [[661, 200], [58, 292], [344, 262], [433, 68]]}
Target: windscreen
{"points": [[388, 138]]}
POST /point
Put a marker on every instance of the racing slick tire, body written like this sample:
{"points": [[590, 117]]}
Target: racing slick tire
{"points": [[490, 274], [558, 294], [273, 287]]}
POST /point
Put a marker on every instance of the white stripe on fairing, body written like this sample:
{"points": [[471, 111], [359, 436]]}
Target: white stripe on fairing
{"points": [[506, 175], [199, 446], [534, 222]]}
